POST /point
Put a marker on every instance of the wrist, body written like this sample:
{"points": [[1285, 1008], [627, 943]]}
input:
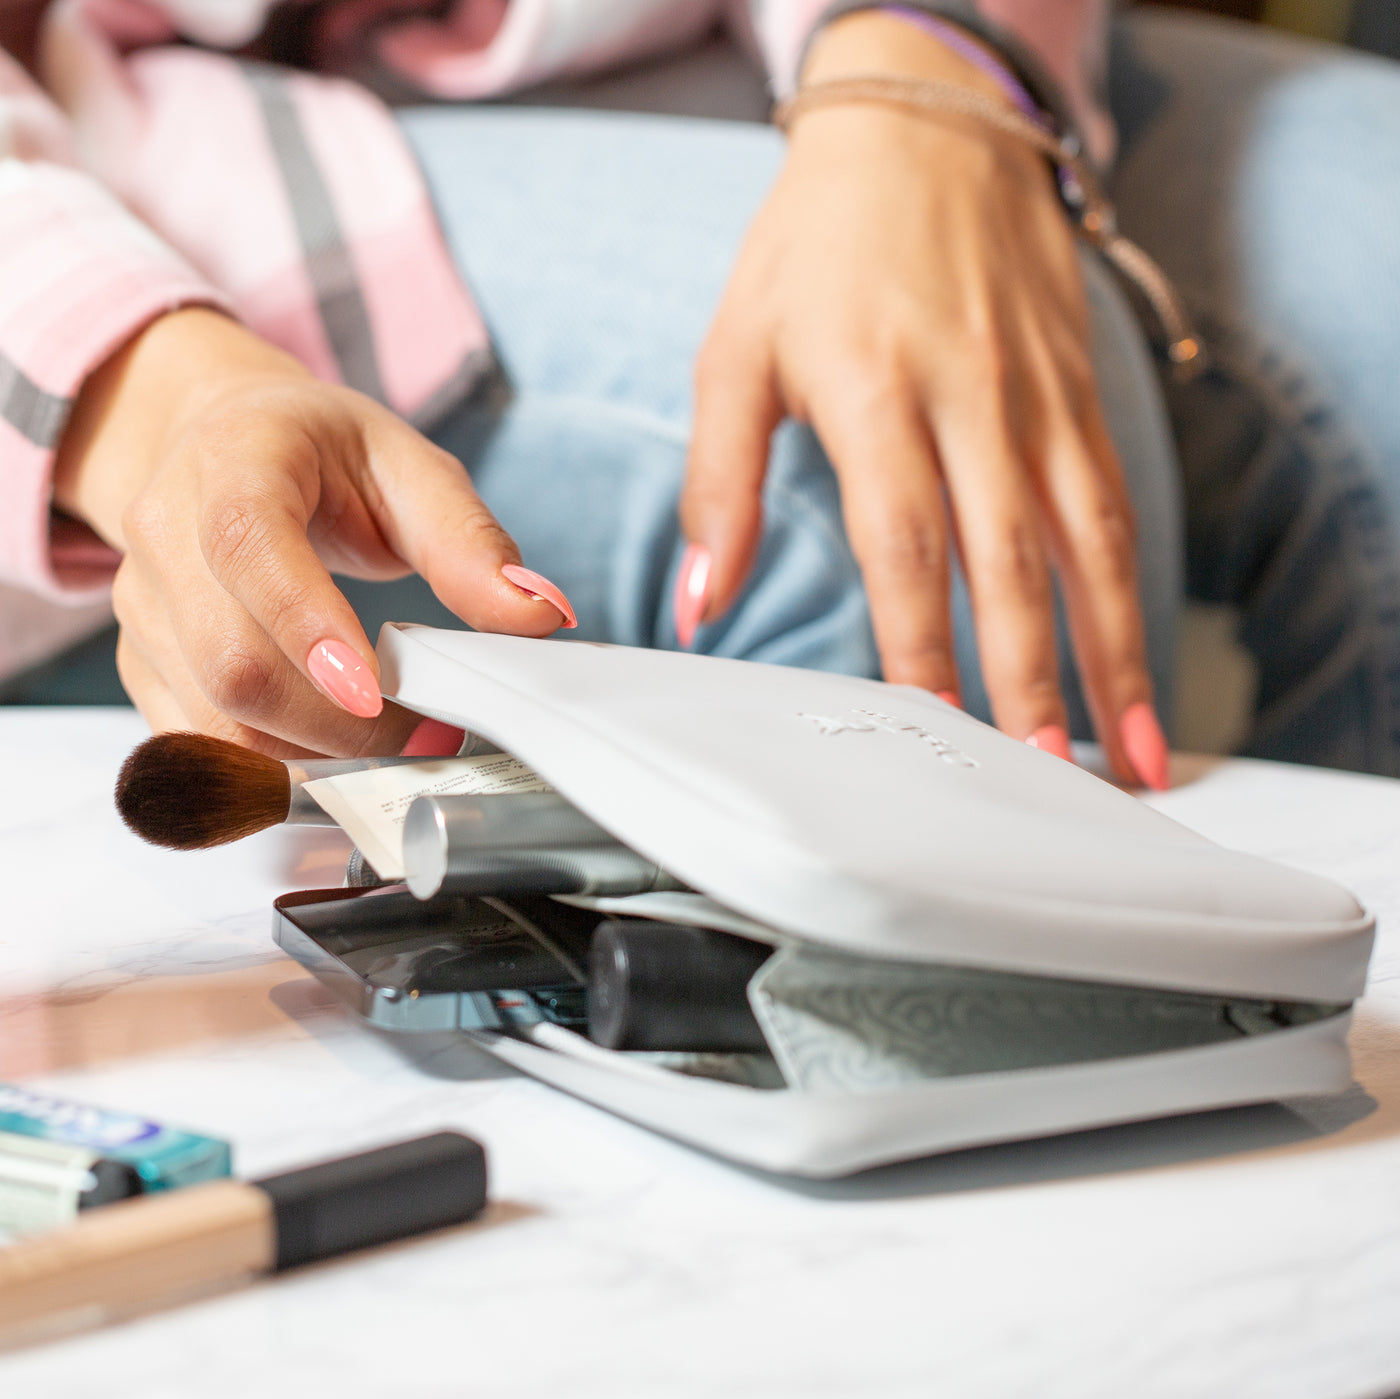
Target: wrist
{"points": [[884, 46], [140, 399], [880, 41]]}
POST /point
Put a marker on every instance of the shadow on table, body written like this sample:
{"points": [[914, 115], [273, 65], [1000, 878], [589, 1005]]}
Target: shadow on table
{"points": [[89, 1022], [1133, 1146], [1298, 1124], [448, 1054]]}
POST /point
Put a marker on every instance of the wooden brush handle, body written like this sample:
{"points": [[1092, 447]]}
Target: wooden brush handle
{"points": [[132, 1254], [127, 1257]]}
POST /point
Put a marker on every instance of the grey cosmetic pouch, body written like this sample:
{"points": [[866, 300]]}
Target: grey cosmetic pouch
{"points": [[973, 941]]}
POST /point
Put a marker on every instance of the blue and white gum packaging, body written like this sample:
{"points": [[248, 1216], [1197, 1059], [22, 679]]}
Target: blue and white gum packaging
{"points": [[973, 941], [163, 1158]]}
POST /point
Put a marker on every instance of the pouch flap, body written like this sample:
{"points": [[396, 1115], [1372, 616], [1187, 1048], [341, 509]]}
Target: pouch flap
{"points": [[877, 820]]}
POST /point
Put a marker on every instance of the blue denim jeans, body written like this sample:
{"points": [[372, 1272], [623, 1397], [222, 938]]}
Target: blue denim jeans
{"points": [[1264, 173], [598, 245]]}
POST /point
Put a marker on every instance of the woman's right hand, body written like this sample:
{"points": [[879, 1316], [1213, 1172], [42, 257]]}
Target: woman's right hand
{"points": [[232, 482]]}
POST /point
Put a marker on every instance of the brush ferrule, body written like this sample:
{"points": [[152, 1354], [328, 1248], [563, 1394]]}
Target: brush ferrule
{"points": [[303, 809], [309, 769]]}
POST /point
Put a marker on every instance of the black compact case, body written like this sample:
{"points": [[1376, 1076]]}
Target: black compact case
{"points": [[455, 962], [463, 962]]}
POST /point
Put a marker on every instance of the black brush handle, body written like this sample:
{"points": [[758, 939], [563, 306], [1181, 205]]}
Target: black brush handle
{"points": [[393, 1192]]}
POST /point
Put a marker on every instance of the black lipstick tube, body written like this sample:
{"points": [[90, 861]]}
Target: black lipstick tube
{"points": [[661, 986]]}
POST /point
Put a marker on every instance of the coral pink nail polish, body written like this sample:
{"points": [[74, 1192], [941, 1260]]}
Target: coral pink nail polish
{"points": [[540, 588], [1146, 746], [343, 674], [433, 739], [692, 592], [1052, 739], [948, 697]]}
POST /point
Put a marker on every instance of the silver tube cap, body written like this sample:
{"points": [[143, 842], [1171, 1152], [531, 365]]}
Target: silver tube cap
{"points": [[521, 843]]}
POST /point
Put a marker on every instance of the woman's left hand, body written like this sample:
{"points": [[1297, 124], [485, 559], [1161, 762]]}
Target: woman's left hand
{"points": [[911, 288]]}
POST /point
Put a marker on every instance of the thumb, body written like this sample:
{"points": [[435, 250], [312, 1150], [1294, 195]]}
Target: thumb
{"points": [[433, 519], [737, 407]]}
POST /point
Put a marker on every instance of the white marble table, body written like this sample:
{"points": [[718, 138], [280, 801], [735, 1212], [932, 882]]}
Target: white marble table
{"points": [[1252, 1252]]}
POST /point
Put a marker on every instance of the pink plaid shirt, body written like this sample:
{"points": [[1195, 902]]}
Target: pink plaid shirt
{"points": [[148, 174]]}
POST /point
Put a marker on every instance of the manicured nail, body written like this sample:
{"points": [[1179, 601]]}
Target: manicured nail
{"points": [[540, 588], [1052, 739], [948, 697], [433, 739], [692, 592], [344, 676], [1146, 746]]}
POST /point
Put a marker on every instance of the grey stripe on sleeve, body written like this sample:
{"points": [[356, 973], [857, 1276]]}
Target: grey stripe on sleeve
{"points": [[37, 415], [477, 368], [339, 299]]}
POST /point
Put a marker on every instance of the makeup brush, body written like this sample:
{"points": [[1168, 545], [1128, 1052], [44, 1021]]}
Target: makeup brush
{"points": [[188, 791], [157, 1249]]}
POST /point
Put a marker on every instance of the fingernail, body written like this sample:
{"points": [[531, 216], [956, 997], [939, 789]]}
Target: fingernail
{"points": [[692, 592], [1146, 746], [948, 697], [1052, 739], [540, 588], [344, 676], [433, 739]]}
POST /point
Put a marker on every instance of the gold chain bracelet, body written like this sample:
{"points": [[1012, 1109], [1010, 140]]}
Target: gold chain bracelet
{"points": [[1083, 195]]}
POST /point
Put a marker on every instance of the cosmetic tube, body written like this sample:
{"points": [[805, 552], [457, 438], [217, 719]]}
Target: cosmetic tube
{"points": [[661, 986], [521, 843]]}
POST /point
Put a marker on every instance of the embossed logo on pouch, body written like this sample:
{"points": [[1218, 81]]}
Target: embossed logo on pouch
{"points": [[860, 720], [827, 724]]}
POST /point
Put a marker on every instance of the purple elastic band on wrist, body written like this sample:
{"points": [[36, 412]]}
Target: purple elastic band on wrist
{"points": [[965, 47]]}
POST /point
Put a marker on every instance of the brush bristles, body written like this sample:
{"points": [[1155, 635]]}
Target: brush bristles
{"points": [[187, 791]]}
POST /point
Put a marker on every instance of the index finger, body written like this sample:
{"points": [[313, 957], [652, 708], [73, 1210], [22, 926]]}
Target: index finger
{"points": [[431, 516], [252, 529]]}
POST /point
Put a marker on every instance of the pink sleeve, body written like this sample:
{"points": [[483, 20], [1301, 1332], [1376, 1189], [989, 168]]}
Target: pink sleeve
{"points": [[287, 198], [78, 277], [479, 48], [1069, 37], [780, 30]]}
